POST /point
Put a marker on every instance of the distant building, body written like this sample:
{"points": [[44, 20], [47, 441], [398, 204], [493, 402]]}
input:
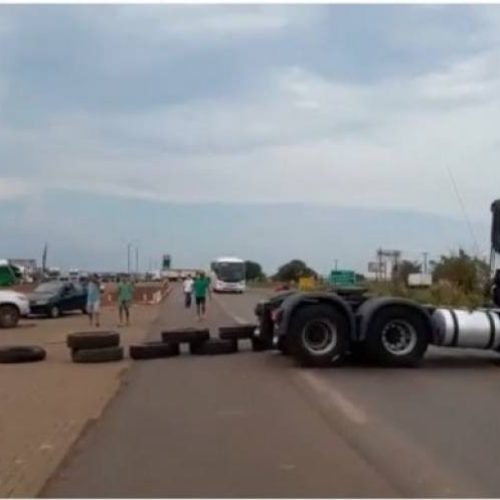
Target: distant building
{"points": [[28, 266]]}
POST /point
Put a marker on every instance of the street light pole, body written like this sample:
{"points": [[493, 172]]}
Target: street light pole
{"points": [[128, 257], [425, 254]]}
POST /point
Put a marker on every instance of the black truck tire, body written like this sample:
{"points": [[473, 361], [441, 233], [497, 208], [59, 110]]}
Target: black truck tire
{"points": [[185, 335], [214, 346], [92, 340], [318, 335], [102, 355], [358, 354], [22, 354], [283, 345], [154, 350], [397, 336], [9, 316], [266, 326], [237, 332]]}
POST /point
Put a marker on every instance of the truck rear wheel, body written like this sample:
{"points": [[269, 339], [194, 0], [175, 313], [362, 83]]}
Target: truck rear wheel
{"points": [[397, 336], [319, 336]]}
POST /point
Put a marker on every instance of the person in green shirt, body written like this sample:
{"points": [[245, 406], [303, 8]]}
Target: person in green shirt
{"points": [[125, 296], [201, 290]]}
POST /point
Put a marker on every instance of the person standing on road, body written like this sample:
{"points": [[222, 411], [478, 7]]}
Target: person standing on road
{"points": [[187, 286], [201, 289], [93, 300], [125, 294]]}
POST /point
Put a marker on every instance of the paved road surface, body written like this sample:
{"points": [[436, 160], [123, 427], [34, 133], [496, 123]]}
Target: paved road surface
{"points": [[252, 425]]}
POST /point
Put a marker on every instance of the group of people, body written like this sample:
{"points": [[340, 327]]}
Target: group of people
{"points": [[125, 292], [200, 288]]}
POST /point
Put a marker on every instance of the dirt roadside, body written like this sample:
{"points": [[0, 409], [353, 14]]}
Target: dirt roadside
{"points": [[46, 405]]}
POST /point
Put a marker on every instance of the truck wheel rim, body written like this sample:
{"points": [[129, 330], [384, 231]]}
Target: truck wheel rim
{"points": [[399, 337], [319, 336]]}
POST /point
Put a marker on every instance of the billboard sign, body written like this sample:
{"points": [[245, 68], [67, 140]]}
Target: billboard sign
{"points": [[165, 262]]}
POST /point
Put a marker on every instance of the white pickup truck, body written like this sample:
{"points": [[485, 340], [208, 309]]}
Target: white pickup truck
{"points": [[13, 306]]}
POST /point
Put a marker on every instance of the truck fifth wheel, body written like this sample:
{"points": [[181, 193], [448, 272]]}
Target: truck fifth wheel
{"points": [[322, 328]]}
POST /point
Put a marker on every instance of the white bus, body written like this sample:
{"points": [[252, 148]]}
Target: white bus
{"points": [[228, 275]]}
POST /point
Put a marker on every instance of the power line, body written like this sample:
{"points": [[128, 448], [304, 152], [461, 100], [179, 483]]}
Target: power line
{"points": [[464, 212]]}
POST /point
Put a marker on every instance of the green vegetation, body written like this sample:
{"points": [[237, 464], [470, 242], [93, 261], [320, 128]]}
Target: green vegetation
{"points": [[459, 280], [405, 268], [293, 271], [253, 271]]}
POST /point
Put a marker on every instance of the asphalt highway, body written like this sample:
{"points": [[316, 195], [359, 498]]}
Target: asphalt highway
{"points": [[254, 425]]}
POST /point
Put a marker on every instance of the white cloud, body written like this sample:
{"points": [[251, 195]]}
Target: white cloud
{"points": [[475, 78], [11, 189], [303, 138], [200, 24]]}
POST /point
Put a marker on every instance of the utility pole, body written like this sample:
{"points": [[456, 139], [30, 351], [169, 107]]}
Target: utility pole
{"points": [[425, 254], [379, 269], [128, 257], [137, 261], [336, 264]]}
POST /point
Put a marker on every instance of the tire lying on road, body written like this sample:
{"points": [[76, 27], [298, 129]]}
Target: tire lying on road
{"points": [[185, 335], [237, 332], [154, 350], [101, 355], [92, 340], [214, 346], [22, 354], [318, 335], [398, 336]]}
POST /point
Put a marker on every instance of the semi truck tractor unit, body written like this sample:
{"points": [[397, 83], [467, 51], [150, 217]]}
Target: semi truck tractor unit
{"points": [[323, 328], [320, 329]]}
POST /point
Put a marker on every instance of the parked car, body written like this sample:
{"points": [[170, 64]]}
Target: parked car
{"points": [[54, 298], [13, 305]]}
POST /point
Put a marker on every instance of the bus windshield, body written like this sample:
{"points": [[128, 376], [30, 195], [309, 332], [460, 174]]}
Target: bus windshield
{"points": [[231, 272]]}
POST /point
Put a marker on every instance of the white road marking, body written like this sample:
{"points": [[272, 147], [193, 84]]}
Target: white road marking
{"points": [[238, 319], [332, 395]]}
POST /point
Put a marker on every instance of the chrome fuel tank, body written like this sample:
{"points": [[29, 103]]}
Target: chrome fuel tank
{"points": [[478, 329]]}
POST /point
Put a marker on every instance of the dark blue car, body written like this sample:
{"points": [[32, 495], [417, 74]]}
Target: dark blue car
{"points": [[54, 298]]}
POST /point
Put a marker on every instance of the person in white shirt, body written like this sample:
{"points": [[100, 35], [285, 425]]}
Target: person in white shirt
{"points": [[187, 286]]}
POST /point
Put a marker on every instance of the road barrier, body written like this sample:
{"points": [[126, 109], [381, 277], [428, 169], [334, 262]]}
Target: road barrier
{"points": [[144, 294]]}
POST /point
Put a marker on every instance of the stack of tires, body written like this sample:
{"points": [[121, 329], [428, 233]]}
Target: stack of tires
{"points": [[94, 347], [233, 334], [198, 341]]}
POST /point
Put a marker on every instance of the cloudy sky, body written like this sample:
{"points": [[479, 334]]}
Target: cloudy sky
{"points": [[271, 132]]}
